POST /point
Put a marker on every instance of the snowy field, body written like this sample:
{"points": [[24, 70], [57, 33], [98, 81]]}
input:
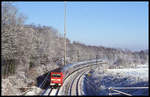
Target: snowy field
{"points": [[100, 80], [140, 72]]}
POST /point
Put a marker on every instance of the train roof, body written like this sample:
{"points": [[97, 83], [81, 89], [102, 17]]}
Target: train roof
{"points": [[56, 70]]}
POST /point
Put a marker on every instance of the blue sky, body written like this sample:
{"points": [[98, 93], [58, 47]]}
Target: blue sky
{"points": [[110, 24]]}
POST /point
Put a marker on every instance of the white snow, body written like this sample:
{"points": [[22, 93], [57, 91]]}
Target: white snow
{"points": [[140, 72], [101, 79], [35, 91], [53, 93]]}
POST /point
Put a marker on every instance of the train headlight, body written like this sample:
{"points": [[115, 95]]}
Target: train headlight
{"points": [[58, 79], [55, 79]]}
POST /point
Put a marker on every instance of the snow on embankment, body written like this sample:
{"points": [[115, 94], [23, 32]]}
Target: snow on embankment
{"points": [[16, 84], [100, 80], [139, 73]]}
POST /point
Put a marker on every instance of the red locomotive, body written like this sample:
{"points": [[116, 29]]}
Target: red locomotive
{"points": [[57, 76], [56, 79]]}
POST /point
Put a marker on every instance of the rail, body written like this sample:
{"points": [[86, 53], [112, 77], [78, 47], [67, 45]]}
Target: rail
{"points": [[120, 92], [77, 68], [77, 78]]}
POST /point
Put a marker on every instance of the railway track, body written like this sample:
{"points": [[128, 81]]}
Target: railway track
{"points": [[66, 88], [75, 82], [70, 85], [78, 87], [73, 86]]}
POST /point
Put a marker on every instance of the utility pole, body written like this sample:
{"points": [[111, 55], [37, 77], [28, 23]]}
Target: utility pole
{"points": [[96, 59], [64, 33], [78, 56]]}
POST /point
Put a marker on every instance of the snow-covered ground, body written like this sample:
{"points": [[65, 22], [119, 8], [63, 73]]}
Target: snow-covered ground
{"points": [[140, 72], [100, 80]]}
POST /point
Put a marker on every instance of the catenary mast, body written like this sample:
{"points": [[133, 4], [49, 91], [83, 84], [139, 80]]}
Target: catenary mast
{"points": [[64, 33]]}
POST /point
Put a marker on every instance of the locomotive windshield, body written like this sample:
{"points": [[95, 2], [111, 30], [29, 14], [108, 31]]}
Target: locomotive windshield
{"points": [[56, 75]]}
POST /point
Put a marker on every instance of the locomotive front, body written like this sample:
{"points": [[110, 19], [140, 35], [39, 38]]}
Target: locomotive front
{"points": [[56, 79]]}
